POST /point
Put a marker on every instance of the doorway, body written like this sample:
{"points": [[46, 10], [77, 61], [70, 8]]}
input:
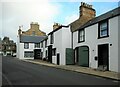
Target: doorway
{"points": [[103, 60], [50, 53], [37, 54]]}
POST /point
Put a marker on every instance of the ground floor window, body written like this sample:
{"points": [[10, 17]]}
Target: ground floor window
{"points": [[28, 54]]}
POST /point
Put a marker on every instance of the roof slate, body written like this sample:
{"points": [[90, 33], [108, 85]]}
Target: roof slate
{"points": [[31, 39], [110, 14]]}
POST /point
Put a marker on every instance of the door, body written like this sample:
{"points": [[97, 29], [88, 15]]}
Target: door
{"points": [[50, 53], [58, 58], [103, 60], [83, 55], [37, 54], [69, 56]]}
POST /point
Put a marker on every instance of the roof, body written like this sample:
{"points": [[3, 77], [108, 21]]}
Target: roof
{"points": [[110, 14], [60, 27], [31, 39]]}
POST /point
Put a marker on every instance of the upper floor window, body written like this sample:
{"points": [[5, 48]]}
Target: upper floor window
{"points": [[53, 51], [37, 45], [26, 45], [81, 35], [33, 33], [52, 38], [103, 29]]}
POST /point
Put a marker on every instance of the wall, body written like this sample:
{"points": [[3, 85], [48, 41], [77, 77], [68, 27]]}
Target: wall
{"points": [[62, 40], [92, 41], [21, 51], [57, 44], [66, 43], [119, 42]]}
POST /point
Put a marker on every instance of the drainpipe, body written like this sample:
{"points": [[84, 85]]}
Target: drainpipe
{"points": [[72, 40]]}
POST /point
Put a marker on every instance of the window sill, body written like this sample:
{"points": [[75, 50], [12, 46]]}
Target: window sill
{"points": [[103, 37], [81, 41]]}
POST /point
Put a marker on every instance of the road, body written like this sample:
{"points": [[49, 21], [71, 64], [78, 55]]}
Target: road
{"points": [[18, 72]]}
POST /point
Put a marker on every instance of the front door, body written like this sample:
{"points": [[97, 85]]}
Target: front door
{"points": [[83, 54], [58, 58], [37, 54], [69, 56], [103, 61], [50, 53]]}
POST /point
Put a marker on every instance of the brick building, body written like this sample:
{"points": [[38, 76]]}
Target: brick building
{"points": [[8, 46]]}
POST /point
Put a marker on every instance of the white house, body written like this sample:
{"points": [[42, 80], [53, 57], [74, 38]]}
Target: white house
{"points": [[97, 42], [58, 40], [28, 47], [28, 43], [44, 49]]}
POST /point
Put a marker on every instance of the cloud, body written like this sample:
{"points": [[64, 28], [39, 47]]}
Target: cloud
{"points": [[23, 13]]}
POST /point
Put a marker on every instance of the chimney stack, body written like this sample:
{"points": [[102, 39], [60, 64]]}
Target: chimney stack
{"points": [[56, 25], [87, 11], [34, 25]]}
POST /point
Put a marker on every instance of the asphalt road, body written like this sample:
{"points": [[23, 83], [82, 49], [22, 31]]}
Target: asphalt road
{"points": [[17, 72]]}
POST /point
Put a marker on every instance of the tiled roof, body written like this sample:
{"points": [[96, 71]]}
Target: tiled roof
{"points": [[31, 39], [110, 14]]}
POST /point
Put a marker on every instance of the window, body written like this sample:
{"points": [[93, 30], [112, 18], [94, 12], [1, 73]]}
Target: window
{"points": [[26, 45], [54, 51], [37, 45], [51, 38], [81, 35], [28, 54], [103, 29], [33, 33]]}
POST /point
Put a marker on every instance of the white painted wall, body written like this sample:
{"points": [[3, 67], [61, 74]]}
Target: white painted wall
{"points": [[119, 42], [62, 40], [22, 50], [57, 44], [92, 41]]}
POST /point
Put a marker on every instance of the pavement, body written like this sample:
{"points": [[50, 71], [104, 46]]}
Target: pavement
{"points": [[75, 68]]}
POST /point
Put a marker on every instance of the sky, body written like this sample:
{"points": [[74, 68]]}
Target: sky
{"points": [[15, 13]]}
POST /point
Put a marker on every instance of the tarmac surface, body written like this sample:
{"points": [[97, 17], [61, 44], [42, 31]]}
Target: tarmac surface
{"points": [[17, 72]]}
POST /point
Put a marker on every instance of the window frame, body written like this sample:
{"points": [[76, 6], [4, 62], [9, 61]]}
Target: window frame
{"points": [[99, 29], [26, 45], [83, 36], [54, 52], [36, 45], [28, 54]]}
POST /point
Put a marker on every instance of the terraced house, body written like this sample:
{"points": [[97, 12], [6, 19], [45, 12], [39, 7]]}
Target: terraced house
{"points": [[28, 44], [96, 42], [89, 41]]}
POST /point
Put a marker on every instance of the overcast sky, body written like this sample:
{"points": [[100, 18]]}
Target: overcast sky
{"points": [[14, 13]]}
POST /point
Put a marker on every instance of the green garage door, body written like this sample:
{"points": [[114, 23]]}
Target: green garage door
{"points": [[83, 56], [69, 56]]}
